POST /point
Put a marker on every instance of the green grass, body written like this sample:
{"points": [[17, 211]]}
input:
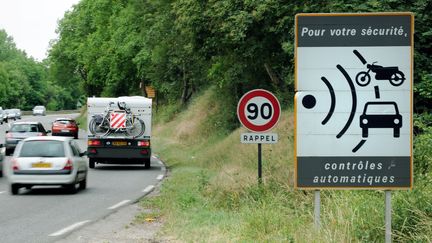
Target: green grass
{"points": [[212, 194]]}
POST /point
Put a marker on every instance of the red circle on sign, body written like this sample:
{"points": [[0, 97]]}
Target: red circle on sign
{"points": [[241, 110]]}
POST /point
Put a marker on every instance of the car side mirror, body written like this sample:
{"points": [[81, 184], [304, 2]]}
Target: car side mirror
{"points": [[48, 131], [83, 154]]}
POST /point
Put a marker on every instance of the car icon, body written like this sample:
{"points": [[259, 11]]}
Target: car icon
{"points": [[381, 114]]}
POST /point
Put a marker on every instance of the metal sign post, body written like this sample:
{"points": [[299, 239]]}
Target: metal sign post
{"points": [[259, 165], [388, 209], [317, 210]]}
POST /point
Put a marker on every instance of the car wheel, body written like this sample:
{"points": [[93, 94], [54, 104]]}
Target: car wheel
{"points": [[83, 184], [1, 173], [92, 163], [71, 188], [147, 163], [8, 152], [365, 132], [396, 132], [76, 136], [14, 188]]}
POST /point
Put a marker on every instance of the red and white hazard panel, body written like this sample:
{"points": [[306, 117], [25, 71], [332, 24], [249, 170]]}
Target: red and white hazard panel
{"points": [[118, 120]]}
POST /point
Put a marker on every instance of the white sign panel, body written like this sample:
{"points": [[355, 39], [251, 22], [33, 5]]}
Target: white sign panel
{"points": [[259, 138], [354, 100]]}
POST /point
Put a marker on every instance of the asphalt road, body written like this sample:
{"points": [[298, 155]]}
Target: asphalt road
{"points": [[48, 214]]}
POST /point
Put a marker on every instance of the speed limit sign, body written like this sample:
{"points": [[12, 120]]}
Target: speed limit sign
{"points": [[258, 110]]}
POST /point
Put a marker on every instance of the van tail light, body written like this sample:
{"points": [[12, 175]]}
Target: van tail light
{"points": [[144, 143], [68, 166], [15, 166], [94, 143]]}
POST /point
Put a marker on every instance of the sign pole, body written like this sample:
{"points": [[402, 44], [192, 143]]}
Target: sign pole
{"points": [[259, 165], [317, 210], [258, 111], [388, 237]]}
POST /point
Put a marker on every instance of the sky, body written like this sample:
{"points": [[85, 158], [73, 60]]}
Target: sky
{"points": [[32, 23]]}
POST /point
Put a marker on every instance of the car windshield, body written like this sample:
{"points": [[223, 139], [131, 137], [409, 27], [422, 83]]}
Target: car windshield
{"points": [[42, 148], [380, 109], [24, 128], [39, 108]]}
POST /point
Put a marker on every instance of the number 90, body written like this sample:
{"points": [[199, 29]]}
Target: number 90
{"points": [[265, 111]]}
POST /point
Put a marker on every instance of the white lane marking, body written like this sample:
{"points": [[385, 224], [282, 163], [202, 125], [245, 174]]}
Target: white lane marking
{"points": [[2, 192], [160, 162], [160, 177], [119, 204], [70, 228], [154, 157], [148, 189]]}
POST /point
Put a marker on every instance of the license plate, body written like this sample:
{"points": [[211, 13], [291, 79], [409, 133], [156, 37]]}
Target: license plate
{"points": [[119, 143], [41, 165], [65, 130]]}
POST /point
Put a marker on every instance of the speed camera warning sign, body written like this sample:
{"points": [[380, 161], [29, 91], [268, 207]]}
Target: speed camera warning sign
{"points": [[353, 102], [258, 110]]}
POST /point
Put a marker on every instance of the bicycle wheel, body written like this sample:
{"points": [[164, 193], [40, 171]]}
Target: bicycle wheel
{"points": [[97, 128], [363, 78], [135, 129]]}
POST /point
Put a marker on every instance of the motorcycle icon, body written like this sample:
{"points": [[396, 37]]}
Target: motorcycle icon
{"points": [[391, 74]]}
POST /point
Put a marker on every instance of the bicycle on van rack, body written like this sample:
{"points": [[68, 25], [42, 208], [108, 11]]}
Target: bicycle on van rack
{"points": [[118, 119]]}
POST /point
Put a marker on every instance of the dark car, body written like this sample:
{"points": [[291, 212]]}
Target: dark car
{"points": [[381, 114], [65, 127], [21, 130]]}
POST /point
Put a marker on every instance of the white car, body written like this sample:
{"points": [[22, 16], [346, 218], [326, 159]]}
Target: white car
{"points": [[47, 161], [2, 155], [13, 114], [39, 110]]}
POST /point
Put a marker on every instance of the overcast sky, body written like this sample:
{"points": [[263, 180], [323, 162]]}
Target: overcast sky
{"points": [[32, 23]]}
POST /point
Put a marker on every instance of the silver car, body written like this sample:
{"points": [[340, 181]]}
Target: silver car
{"points": [[13, 113], [46, 161], [39, 110], [3, 116]]}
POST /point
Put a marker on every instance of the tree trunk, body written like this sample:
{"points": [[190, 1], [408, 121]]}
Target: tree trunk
{"points": [[185, 94], [273, 77]]}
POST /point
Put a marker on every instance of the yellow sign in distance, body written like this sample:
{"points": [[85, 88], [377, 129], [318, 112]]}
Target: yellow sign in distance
{"points": [[150, 91]]}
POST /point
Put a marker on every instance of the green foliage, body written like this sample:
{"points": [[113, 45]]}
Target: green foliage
{"points": [[168, 113], [180, 47], [412, 211], [24, 82]]}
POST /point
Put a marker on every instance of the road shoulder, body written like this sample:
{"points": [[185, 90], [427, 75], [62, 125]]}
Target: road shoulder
{"points": [[117, 227]]}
